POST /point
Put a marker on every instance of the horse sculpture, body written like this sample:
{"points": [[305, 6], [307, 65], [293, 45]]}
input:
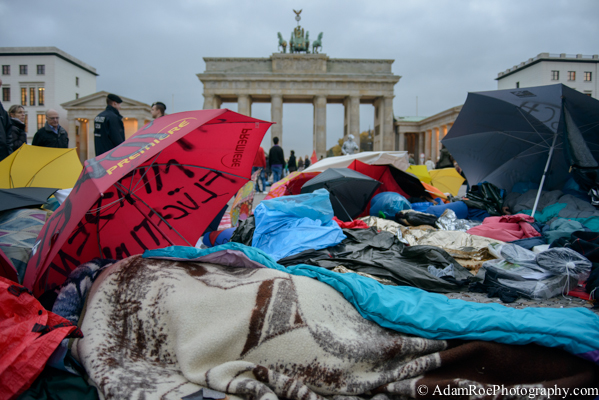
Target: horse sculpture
{"points": [[317, 44], [282, 43]]}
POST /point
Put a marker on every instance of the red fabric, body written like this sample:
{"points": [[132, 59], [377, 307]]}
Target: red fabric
{"points": [[24, 353], [506, 228], [7, 270], [161, 187], [382, 174], [355, 224], [260, 160], [290, 185], [313, 159]]}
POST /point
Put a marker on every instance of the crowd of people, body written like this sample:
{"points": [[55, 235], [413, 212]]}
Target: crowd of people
{"points": [[275, 165], [109, 130]]}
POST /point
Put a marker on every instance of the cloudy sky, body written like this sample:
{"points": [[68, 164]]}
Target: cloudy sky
{"points": [[152, 50]]}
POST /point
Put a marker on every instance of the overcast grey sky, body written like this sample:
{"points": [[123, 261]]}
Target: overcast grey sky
{"points": [[152, 50]]}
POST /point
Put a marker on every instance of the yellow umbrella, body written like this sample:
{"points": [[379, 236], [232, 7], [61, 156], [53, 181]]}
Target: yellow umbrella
{"points": [[421, 172], [34, 166], [447, 179]]}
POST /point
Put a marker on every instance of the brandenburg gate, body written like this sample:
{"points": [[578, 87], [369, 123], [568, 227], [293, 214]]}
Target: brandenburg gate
{"points": [[306, 78]]}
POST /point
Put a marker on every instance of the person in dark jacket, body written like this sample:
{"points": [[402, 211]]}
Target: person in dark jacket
{"points": [[445, 159], [5, 137], [51, 134], [109, 130], [17, 130], [307, 162], [276, 160], [291, 164]]}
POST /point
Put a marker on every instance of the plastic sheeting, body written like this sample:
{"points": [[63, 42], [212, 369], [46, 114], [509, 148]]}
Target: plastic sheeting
{"points": [[389, 203], [291, 224]]}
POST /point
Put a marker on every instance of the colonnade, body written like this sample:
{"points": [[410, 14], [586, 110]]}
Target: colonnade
{"points": [[383, 116]]}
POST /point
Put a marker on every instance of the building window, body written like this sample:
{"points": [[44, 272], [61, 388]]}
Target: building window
{"points": [[517, 84], [76, 95], [41, 121], [23, 96], [5, 94], [6, 70], [32, 96], [555, 75], [571, 75], [77, 81], [23, 69], [589, 93], [41, 96], [588, 76], [41, 70]]}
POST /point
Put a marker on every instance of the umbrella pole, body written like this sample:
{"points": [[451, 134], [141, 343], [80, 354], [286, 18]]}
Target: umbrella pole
{"points": [[534, 208], [341, 204]]}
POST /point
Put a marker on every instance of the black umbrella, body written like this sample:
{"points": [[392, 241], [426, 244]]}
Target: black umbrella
{"points": [[350, 191], [536, 134], [24, 197]]}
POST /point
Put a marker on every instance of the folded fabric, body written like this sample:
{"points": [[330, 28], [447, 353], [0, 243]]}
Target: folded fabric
{"points": [[29, 334], [506, 228]]}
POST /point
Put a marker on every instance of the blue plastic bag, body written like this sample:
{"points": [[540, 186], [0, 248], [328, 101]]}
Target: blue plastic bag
{"points": [[291, 224], [389, 203]]}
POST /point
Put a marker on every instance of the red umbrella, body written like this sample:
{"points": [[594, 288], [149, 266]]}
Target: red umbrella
{"points": [[161, 187]]}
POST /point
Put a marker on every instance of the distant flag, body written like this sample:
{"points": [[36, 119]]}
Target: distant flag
{"points": [[313, 159]]}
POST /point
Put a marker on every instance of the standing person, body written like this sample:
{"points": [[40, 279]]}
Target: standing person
{"points": [[5, 137], [158, 110], [109, 130], [51, 134], [17, 130], [276, 160], [300, 164], [306, 162], [260, 165], [445, 159], [291, 164]]}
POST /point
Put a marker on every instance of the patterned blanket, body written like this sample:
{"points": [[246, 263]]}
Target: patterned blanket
{"points": [[160, 329]]}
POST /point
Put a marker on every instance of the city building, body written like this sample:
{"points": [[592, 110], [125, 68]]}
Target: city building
{"points": [[40, 78], [423, 135], [577, 71], [81, 113]]}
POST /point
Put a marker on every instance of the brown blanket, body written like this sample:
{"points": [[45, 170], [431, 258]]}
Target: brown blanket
{"points": [[158, 329]]}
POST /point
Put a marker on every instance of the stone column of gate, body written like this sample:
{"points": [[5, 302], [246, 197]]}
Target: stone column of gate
{"points": [[209, 101], [427, 144], [91, 141], [276, 116], [435, 143], [402, 141], [141, 121], [352, 116], [244, 105], [388, 138], [320, 126]]}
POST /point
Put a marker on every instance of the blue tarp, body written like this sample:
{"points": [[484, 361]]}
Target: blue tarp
{"points": [[301, 222], [429, 315]]}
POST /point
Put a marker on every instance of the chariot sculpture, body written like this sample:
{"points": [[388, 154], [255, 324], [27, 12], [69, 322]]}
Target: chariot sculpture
{"points": [[300, 40]]}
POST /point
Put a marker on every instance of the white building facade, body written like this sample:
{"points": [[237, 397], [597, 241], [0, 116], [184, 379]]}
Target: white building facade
{"points": [[40, 78], [577, 71]]}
